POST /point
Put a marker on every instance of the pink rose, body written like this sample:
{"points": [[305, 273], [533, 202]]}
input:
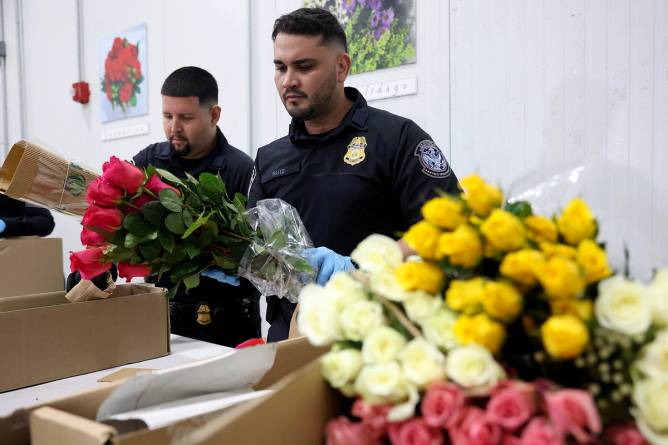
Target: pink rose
{"points": [[341, 431], [512, 405], [103, 194], [92, 239], [102, 218], [540, 432], [473, 428], [88, 262], [441, 404], [510, 439], [624, 434], [374, 416], [573, 411], [155, 184], [129, 271], [122, 174], [414, 432]]}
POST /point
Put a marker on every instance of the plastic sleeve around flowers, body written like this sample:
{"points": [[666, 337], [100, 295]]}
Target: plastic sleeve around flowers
{"points": [[274, 261]]}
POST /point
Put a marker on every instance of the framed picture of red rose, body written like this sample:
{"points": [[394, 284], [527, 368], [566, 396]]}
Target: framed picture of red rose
{"points": [[123, 74]]}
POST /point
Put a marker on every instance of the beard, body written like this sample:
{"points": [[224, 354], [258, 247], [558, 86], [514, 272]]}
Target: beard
{"points": [[319, 103], [184, 150]]}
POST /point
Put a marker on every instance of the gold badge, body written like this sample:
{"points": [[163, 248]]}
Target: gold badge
{"points": [[203, 314], [355, 153]]}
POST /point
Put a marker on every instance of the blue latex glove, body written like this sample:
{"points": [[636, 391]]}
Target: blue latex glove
{"points": [[327, 262], [221, 276], [3, 225]]}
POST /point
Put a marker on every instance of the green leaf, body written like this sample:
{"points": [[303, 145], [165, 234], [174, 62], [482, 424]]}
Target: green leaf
{"points": [[191, 281], [521, 209], [174, 223], [120, 254], [170, 200], [135, 224], [151, 251], [154, 212], [132, 240], [166, 239], [136, 260], [213, 185], [184, 269], [192, 247], [202, 220], [175, 257], [224, 262], [191, 178], [187, 217], [193, 201], [205, 238], [212, 226], [133, 100], [172, 292], [169, 176]]}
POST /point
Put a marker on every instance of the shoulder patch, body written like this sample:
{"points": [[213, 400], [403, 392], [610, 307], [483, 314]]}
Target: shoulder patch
{"points": [[432, 160]]}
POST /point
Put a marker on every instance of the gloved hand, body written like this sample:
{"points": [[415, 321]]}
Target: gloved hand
{"points": [[221, 276], [3, 225], [328, 262]]}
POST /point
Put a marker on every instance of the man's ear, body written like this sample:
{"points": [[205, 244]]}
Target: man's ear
{"points": [[215, 114], [343, 64]]}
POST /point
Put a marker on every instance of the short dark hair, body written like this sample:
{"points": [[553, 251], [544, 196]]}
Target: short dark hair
{"points": [[311, 22], [191, 81]]}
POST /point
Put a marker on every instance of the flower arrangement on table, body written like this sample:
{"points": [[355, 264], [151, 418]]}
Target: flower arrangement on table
{"points": [[506, 328], [152, 223]]}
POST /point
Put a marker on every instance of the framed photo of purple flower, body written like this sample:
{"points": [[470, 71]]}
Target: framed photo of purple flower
{"points": [[381, 33]]}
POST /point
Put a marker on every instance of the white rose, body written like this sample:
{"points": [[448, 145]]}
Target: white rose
{"points": [[382, 345], [381, 383], [405, 410], [473, 367], [658, 296], [653, 360], [345, 289], [420, 305], [376, 253], [650, 397], [438, 329], [341, 367], [385, 284], [318, 318], [648, 433], [623, 306], [422, 362], [359, 318]]}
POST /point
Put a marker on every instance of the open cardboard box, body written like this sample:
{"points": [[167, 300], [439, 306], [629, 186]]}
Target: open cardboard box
{"points": [[31, 265], [71, 420], [44, 337]]}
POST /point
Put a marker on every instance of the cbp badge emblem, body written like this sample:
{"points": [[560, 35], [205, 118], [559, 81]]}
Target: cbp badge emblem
{"points": [[203, 314], [432, 160], [355, 153]]}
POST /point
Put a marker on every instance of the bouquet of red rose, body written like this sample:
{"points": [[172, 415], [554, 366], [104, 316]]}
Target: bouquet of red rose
{"points": [[122, 74], [150, 222]]}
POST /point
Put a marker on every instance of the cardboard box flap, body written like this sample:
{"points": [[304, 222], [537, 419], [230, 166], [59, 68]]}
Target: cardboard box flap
{"points": [[31, 265], [31, 301], [49, 426]]}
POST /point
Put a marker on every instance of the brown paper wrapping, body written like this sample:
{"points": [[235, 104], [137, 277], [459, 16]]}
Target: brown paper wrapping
{"points": [[85, 290], [294, 327], [33, 173]]}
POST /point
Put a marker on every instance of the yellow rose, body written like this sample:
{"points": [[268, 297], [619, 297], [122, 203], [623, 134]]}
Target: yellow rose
{"points": [[480, 196], [551, 250], [481, 330], [501, 300], [581, 308], [445, 211], [564, 336], [540, 229], [465, 295], [561, 278], [462, 247], [422, 237], [576, 222], [520, 266], [503, 230], [593, 260], [419, 275]]}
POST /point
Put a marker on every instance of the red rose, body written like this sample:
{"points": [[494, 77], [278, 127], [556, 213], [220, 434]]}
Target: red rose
{"points": [[441, 404], [143, 199], [510, 439], [540, 432], [573, 411], [88, 262], [251, 342], [126, 92], [473, 428], [341, 431], [102, 218], [511, 405], [117, 45], [374, 416], [103, 194], [91, 238], [414, 432], [155, 184], [129, 271], [625, 434], [122, 174]]}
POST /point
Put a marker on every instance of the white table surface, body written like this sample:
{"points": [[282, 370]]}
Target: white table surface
{"points": [[183, 350]]}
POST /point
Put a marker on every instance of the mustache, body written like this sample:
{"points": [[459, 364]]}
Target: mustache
{"points": [[294, 91]]}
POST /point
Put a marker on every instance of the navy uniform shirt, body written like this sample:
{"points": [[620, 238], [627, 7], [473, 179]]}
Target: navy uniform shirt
{"points": [[371, 174]]}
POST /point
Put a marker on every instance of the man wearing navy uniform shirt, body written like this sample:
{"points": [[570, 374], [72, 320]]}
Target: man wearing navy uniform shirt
{"points": [[350, 170]]}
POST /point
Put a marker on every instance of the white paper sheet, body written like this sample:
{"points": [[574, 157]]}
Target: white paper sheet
{"points": [[234, 371]]}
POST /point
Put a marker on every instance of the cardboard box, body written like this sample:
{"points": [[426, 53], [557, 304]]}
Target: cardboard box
{"points": [[44, 337], [31, 265], [70, 420]]}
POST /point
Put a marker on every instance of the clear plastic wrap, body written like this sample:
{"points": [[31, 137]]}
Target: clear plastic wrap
{"points": [[274, 261], [623, 199]]}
